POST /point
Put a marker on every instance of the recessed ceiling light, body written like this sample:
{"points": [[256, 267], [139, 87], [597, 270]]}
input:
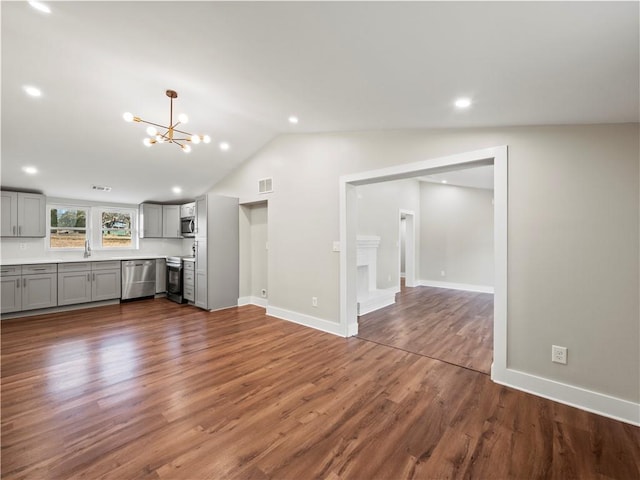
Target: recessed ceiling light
{"points": [[463, 102], [443, 181], [224, 146], [32, 91], [30, 170], [40, 6], [176, 190], [293, 119]]}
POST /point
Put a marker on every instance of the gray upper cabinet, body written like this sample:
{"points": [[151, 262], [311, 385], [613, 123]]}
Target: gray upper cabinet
{"points": [[159, 221], [171, 221], [150, 220], [23, 214]]}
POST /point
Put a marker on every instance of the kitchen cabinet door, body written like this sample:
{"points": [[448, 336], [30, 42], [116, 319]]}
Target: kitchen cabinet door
{"points": [[171, 221], [150, 220], [9, 201], [39, 291], [11, 287], [31, 215], [74, 287], [201, 290], [161, 275], [105, 284], [201, 268]]}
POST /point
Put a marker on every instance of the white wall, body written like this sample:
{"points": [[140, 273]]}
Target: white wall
{"points": [[456, 234], [379, 207], [573, 234]]}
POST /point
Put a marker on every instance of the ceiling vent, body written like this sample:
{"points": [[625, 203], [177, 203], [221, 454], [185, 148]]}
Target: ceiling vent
{"points": [[101, 188], [265, 185]]}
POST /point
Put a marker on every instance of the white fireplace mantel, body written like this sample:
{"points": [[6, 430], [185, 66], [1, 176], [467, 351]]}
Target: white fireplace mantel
{"points": [[370, 298]]}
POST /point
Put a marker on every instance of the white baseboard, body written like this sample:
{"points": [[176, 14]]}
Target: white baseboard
{"points": [[456, 286], [306, 320], [376, 300], [573, 396], [251, 300]]}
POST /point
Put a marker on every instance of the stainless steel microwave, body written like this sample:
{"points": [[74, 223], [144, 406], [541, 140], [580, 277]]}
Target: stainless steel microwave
{"points": [[188, 226]]}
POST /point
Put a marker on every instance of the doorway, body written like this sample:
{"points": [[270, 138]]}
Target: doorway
{"points": [[253, 259], [407, 236], [348, 213]]}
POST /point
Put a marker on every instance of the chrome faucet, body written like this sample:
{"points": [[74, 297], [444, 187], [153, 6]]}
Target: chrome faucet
{"points": [[87, 249]]}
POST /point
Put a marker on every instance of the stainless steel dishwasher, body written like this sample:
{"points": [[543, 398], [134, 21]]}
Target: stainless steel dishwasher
{"points": [[138, 279]]}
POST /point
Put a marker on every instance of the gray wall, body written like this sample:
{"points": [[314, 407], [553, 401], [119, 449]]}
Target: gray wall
{"points": [[456, 234], [379, 205], [573, 234]]}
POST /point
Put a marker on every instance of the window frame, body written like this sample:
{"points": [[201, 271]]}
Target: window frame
{"points": [[87, 227], [132, 212], [93, 226]]}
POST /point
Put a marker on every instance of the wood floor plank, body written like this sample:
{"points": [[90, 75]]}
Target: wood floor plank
{"points": [[449, 325], [156, 390]]}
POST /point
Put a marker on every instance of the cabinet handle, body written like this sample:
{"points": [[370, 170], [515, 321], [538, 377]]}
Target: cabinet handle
{"points": [[88, 277], [14, 229], [38, 269], [94, 277], [17, 283], [24, 282], [19, 230]]}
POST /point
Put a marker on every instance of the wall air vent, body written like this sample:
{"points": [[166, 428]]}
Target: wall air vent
{"points": [[101, 188], [265, 185]]}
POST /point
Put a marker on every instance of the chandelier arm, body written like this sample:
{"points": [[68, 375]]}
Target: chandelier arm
{"points": [[183, 132], [154, 124]]}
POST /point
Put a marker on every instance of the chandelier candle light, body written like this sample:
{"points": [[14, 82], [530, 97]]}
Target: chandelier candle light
{"points": [[169, 135]]}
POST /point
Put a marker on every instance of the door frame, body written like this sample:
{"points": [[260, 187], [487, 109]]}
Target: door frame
{"points": [[496, 156], [409, 247]]}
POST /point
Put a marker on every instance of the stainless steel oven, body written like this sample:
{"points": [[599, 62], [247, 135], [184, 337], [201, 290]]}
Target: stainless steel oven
{"points": [[174, 279]]}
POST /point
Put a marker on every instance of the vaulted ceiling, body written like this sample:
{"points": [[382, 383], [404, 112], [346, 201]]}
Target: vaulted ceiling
{"points": [[242, 68]]}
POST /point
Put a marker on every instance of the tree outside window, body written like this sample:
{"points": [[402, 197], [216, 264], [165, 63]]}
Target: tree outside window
{"points": [[68, 228], [116, 229]]}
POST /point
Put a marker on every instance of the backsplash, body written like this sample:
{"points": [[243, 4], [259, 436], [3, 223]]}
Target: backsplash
{"points": [[27, 248]]}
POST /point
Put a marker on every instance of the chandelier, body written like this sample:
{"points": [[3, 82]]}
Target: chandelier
{"points": [[167, 133]]}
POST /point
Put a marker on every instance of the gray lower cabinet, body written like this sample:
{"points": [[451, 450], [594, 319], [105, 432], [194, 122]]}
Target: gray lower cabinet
{"points": [[29, 287], [189, 281], [105, 284], [39, 291], [11, 293], [84, 282]]}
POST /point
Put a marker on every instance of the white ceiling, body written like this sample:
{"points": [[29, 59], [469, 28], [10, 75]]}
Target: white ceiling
{"points": [[241, 69]]}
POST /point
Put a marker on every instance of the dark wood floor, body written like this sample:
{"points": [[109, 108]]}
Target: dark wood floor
{"points": [[152, 389], [449, 325]]}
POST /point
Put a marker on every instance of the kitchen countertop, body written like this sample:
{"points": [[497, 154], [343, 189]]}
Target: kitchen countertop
{"points": [[32, 261]]}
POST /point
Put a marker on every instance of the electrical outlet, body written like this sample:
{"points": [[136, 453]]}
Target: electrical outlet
{"points": [[559, 354], [314, 301], [23, 246], [263, 292], [336, 246], [442, 273]]}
